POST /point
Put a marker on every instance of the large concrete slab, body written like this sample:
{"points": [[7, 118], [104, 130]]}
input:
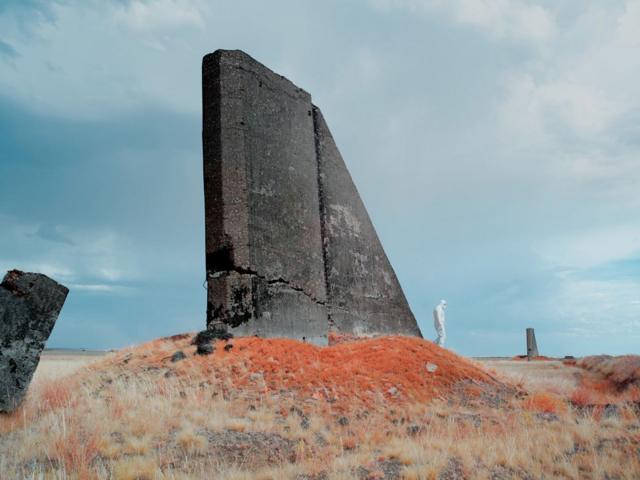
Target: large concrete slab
{"points": [[364, 296], [29, 307], [285, 225], [264, 252]]}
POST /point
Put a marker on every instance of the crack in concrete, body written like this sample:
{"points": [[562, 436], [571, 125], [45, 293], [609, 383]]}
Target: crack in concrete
{"points": [[323, 217], [268, 281]]}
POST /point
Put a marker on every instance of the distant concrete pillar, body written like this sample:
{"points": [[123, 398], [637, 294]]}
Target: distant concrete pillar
{"points": [[532, 346]]}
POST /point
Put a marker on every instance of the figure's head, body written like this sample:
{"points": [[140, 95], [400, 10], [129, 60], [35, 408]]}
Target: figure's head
{"points": [[443, 303]]}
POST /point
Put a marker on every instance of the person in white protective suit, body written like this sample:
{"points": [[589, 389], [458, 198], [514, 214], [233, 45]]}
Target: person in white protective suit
{"points": [[438, 322]]}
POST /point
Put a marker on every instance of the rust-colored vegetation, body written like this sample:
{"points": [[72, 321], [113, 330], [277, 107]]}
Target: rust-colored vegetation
{"points": [[358, 373], [545, 402], [389, 407], [608, 380], [622, 371]]}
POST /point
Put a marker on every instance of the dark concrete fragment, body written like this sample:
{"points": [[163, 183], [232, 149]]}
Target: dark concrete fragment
{"points": [[177, 356], [364, 295], [205, 349], [204, 339], [29, 307], [214, 332], [263, 244]]}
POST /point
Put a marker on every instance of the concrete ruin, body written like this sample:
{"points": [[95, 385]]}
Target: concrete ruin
{"points": [[290, 248], [29, 307]]}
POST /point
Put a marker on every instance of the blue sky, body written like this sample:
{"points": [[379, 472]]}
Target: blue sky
{"points": [[496, 144]]}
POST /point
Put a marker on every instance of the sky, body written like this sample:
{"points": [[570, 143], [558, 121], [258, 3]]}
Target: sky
{"points": [[495, 143]]}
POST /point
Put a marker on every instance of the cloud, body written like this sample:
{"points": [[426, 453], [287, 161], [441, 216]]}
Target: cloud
{"points": [[545, 106], [596, 308], [7, 50], [84, 80], [500, 19], [586, 86], [52, 233], [55, 269], [95, 256], [591, 248], [26, 6], [160, 14], [101, 288]]}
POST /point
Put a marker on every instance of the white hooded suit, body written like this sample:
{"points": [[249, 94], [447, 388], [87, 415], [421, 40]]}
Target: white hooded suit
{"points": [[438, 322]]}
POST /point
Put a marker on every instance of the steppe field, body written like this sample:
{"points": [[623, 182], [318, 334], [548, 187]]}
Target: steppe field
{"points": [[385, 408]]}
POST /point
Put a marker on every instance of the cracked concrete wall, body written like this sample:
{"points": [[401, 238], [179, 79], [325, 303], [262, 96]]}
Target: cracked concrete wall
{"points": [[264, 248], [364, 296], [290, 249]]}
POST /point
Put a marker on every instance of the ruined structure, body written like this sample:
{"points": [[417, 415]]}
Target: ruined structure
{"points": [[290, 248], [29, 307]]}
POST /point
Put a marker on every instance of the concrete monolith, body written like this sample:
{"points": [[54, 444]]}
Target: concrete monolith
{"points": [[29, 307], [290, 249]]}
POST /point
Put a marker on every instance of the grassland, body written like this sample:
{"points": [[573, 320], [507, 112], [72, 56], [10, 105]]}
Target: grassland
{"points": [[271, 409]]}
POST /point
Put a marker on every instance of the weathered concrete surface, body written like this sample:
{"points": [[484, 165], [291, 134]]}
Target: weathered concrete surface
{"points": [[29, 307], [264, 253], [364, 295], [267, 274]]}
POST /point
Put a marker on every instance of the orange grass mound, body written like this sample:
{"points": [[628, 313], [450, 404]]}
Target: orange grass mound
{"points": [[623, 370], [545, 402], [362, 372]]}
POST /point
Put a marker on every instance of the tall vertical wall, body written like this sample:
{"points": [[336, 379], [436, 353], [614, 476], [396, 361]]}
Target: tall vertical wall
{"points": [[263, 242], [290, 249], [364, 295]]}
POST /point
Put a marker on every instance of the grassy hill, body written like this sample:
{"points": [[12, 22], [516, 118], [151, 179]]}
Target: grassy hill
{"points": [[389, 407]]}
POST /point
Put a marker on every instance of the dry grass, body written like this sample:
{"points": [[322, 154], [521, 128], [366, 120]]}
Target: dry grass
{"points": [[137, 415], [547, 376], [623, 371]]}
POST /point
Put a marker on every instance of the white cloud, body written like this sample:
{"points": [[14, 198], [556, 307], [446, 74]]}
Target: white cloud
{"points": [[595, 307], [504, 18], [96, 254], [100, 288], [544, 105], [590, 248], [160, 14], [68, 68], [53, 270], [627, 31], [585, 83], [109, 273], [568, 116], [509, 19], [65, 275]]}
